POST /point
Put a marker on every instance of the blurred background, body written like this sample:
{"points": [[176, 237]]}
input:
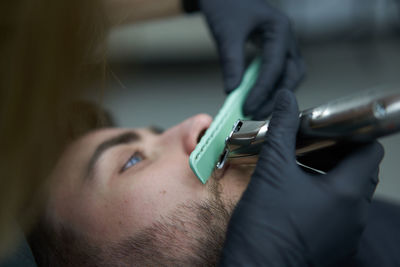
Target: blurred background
{"points": [[167, 70]]}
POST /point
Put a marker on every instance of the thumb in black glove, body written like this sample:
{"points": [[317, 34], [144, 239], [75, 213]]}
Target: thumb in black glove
{"points": [[287, 217]]}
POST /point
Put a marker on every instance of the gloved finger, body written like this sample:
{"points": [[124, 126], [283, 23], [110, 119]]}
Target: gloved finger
{"points": [[231, 54], [265, 110], [294, 48], [353, 174], [274, 51], [282, 129], [294, 70], [293, 74]]}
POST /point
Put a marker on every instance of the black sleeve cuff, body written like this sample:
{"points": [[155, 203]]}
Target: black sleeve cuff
{"points": [[190, 6]]}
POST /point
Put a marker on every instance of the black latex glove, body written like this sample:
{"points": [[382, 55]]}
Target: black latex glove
{"points": [[232, 23], [288, 217]]}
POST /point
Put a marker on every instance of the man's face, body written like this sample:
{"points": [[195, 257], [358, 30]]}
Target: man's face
{"points": [[114, 183]]}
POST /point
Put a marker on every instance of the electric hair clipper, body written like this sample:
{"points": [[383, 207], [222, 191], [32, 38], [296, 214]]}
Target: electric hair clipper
{"points": [[359, 118]]}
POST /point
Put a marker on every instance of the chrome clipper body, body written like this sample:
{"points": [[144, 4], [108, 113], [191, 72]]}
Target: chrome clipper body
{"points": [[244, 142], [359, 118]]}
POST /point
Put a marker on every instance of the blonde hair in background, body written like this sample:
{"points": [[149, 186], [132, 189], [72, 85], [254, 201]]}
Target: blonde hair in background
{"points": [[50, 50]]}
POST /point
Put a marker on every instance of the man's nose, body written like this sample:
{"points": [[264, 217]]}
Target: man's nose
{"points": [[190, 131]]}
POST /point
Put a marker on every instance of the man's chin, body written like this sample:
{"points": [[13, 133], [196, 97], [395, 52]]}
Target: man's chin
{"points": [[229, 171], [238, 173], [219, 174], [233, 182]]}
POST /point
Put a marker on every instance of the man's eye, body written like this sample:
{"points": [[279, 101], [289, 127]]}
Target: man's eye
{"points": [[133, 160]]}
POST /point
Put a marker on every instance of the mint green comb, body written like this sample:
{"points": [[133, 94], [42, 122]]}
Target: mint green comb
{"points": [[208, 151]]}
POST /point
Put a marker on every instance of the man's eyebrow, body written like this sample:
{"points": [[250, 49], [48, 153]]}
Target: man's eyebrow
{"points": [[121, 139]]}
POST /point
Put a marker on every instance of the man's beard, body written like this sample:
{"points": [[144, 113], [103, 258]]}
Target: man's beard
{"points": [[192, 235]]}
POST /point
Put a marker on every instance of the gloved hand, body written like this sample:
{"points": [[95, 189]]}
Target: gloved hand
{"points": [[287, 217], [232, 23]]}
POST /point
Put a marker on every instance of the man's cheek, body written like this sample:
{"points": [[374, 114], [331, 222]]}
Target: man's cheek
{"points": [[139, 205], [145, 202]]}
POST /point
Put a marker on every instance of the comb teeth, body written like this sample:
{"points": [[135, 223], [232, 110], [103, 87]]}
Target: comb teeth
{"points": [[208, 151]]}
